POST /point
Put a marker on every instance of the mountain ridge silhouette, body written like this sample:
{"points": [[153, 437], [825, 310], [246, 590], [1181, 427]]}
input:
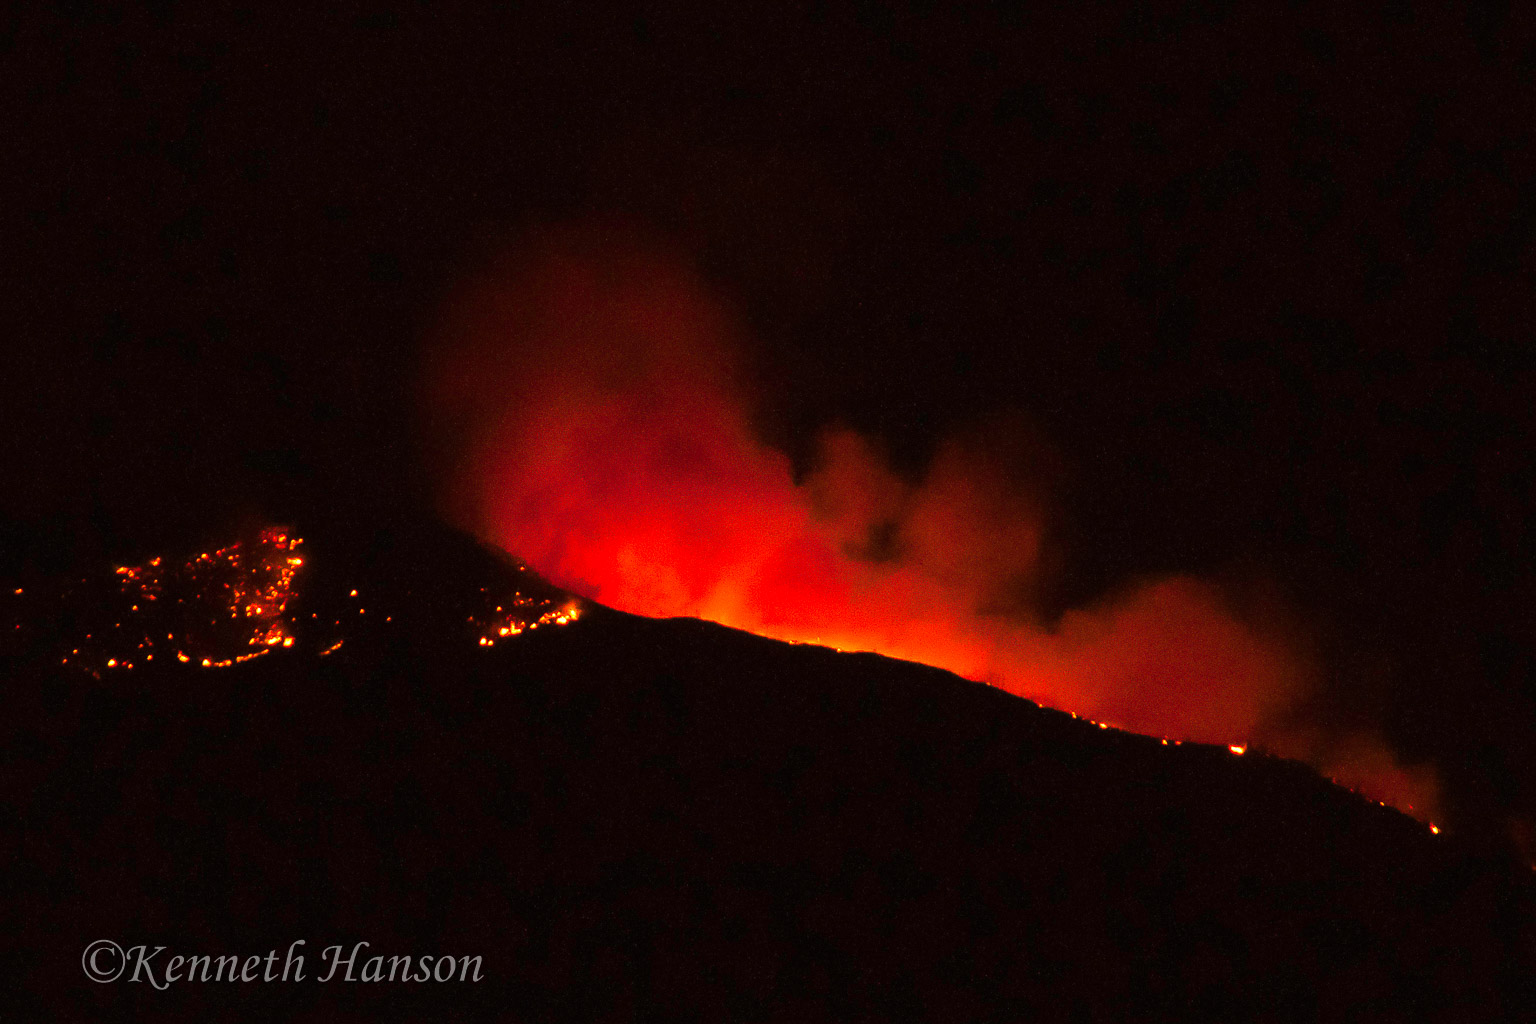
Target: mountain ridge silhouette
{"points": [[630, 818]]}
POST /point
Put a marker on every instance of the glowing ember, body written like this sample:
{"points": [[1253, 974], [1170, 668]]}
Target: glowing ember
{"points": [[521, 613], [229, 606], [1238, 749], [219, 605]]}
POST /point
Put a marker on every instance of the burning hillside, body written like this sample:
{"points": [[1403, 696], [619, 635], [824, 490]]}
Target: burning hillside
{"points": [[240, 602], [590, 401], [634, 818]]}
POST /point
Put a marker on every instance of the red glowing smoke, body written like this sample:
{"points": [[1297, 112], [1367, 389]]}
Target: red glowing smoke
{"points": [[592, 413]]}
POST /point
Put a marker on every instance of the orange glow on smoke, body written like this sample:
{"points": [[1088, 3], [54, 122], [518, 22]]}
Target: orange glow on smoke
{"points": [[588, 401]]}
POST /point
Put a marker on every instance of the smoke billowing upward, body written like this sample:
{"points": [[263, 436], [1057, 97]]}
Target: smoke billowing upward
{"points": [[593, 417]]}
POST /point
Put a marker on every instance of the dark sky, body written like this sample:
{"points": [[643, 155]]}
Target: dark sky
{"points": [[1263, 281]]}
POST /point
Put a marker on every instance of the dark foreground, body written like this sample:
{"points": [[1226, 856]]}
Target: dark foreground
{"points": [[629, 819]]}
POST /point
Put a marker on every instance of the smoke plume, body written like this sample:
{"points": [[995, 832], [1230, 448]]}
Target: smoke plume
{"points": [[592, 416]]}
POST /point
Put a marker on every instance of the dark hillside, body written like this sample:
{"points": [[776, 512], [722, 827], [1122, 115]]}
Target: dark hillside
{"points": [[638, 819]]}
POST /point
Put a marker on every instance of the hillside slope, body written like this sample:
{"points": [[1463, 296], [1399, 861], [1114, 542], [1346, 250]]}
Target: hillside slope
{"points": [[641, 819]]}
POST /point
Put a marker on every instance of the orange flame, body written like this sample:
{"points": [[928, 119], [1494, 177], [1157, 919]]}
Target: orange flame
{"points": [[594, 418]]}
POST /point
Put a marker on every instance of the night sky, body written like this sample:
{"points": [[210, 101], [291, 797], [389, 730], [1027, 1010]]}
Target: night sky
{"points": [[1259, 285]]}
